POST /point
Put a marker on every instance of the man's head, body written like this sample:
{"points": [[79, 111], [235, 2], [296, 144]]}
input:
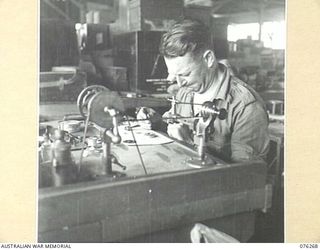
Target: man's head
{"points": [[189, 56]]}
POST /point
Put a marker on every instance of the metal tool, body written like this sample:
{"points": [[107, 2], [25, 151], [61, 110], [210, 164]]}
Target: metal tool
{"points": [[209, 112], [174, 103], [101, 107]]}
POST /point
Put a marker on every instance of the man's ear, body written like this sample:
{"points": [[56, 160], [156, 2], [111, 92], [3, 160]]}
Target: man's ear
{"points": [[209, 58]]}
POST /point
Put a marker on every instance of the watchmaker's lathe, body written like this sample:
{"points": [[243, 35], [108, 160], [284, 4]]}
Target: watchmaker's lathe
{"points": [[102, 107], [104, 110]]}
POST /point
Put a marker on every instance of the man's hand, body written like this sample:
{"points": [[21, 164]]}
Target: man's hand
{"points": [[180, 132], [169, 117], [177, 130], [152, 118]]}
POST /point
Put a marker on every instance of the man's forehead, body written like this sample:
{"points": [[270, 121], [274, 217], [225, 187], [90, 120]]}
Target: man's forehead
{"points": [[181, 64]]}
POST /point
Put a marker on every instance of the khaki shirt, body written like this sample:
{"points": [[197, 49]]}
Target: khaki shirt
{"points": [[243, 135]]}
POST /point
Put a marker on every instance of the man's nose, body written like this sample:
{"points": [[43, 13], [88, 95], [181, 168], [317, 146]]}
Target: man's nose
{"points": [[171, 78], [176, 79]]}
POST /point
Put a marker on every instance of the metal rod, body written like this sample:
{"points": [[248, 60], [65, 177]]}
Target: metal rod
{"points": [[179, 102], [190, 103], [158, 80], [201, 147], [107, 157], [84, 140], [136, 144], [148, 119], [157, 100], [155, 65]]}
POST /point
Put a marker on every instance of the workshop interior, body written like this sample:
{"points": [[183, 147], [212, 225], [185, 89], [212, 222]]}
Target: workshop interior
{"points": [[106, 175]]}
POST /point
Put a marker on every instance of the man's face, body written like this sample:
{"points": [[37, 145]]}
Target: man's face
{"points": [[189, 72]]}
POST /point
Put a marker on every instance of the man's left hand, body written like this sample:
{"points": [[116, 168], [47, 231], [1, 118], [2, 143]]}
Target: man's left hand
{"points": [[179, 131]]}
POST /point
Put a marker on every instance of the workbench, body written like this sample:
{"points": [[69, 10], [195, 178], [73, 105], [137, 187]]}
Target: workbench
{"points": [[160, 206], [172, 196]]}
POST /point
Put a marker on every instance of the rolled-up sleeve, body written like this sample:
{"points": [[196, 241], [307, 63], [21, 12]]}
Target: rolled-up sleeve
{"points": [[250, 136]]}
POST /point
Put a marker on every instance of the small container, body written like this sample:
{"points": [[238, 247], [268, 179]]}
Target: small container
{"points": [[46, 149], [64, 170], [91, 161], [61, 151], [70, 126]]}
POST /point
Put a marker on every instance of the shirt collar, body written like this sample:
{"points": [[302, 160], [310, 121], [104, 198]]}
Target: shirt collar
{"points": [[224, 86], [217, 91]]}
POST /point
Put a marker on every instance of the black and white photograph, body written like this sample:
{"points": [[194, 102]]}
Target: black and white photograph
{"points": [[161, 121]]}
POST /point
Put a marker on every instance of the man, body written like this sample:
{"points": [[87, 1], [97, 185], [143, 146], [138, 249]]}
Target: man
{"points": [[192, 65]]}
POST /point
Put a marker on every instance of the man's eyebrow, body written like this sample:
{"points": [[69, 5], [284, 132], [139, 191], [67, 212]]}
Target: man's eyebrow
{"points": [[181, 73]]}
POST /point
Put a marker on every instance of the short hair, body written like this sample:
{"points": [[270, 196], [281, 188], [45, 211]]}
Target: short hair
{"points": [[187, 35]]}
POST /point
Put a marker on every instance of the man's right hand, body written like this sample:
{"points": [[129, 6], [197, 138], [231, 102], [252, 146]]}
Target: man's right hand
{"points": [[176, 129], [152, 118]]}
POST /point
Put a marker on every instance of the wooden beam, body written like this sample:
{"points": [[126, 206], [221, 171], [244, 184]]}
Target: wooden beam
{"points": [[261, 14]]}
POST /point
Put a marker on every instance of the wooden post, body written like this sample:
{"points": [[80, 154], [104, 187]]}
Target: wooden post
{"points": [[261, 14]]}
